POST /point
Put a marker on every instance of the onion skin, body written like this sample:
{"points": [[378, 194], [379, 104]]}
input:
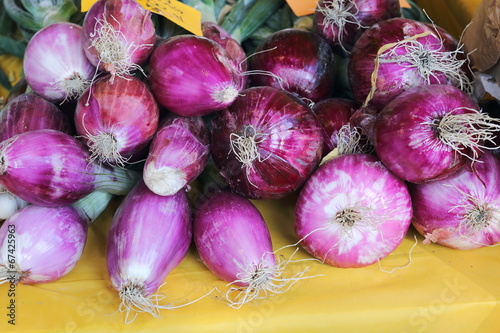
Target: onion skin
{"points": [[352, 181], [49, 242], [392, 78], [218, 218], [53, 55], [289, 148], [178, 154], [440, 207], [302, 59], [131, 22], [193, 76], [149, 236], [365, 12], [28, 112], [333, 113], [123, 108], [50, 168], [405, 140]]}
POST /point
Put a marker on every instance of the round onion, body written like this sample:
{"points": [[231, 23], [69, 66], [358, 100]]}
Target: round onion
{"points": [[116, 119], [118, 36], [397, 54], [55, 65], [194, 76], [428, 132], [297, 61], [341, 23], [266, 143], [27, 112], [462, 211], [352, 211]]}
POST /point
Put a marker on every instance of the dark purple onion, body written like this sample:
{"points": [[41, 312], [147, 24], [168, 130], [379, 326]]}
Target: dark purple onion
{"points": [[27, 112], [297, 61], [266, 143], [341, 23]]}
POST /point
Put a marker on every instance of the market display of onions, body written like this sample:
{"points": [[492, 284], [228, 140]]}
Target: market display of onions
{"points": [[363, 119]]}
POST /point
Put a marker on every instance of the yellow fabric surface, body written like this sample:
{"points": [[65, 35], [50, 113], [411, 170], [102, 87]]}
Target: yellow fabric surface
{"points": [[452, 15], [440, 290]]}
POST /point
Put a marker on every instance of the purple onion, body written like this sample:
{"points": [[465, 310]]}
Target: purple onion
{"points": [[55, 65], [118, 36], [409, 53], [266, 143], [194, 76], [246, 261], [51, 168], [178, 154], [149, 236], [28, 112], [43, 244], [116, 119], [333, 114], [297, 61], [462, 211], [428, 132], [341, 23], [352, 211]]}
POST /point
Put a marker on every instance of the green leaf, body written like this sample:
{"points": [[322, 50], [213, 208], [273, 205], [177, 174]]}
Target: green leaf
{"points": [[11, 46], [4, 80]]}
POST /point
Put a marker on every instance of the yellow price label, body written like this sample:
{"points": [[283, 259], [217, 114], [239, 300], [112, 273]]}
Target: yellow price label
{"points": [[302, 7], [176, 11], [404, 4]]}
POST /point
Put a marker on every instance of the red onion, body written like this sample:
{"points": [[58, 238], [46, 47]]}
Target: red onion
{"points": [[428, 132], [297, 61], [462, 211], [266, 143], [178, 154], [42, 244], [116, 119], [246, 261], [194, 76], [55, 65], [341, 23], [333, 114], [51, 168], [352, 211], [28, 112], [118, 36], [397, 54], [149, 236]]}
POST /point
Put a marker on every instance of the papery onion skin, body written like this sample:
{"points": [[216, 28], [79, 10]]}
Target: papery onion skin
{"points": [[123, 108], [441, 207], [218, 218], [288, 143], [53, 57], [193, 76], [406, 141], [149, 236], [302, 60], [48, 242], [392, 78], [333, 113], [361, 183], [365, 13], [134, 33], [28, 112], [50, 168], [178, 154]]}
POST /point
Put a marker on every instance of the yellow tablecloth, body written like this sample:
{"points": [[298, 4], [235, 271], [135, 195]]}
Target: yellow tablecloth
{"points": [[441, 290]]}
